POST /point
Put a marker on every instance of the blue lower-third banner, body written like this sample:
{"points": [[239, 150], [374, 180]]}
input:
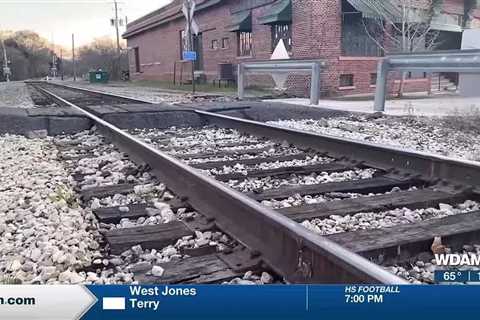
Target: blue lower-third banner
{"points": [[238, 302]]}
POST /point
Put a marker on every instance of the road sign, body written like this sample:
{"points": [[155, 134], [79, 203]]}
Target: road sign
{"points": [[189, 55], [189, 16], [188, 13], [195, 27]]}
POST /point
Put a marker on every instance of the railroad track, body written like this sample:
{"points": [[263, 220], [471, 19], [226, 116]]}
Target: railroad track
{"points": [[254, 181]]}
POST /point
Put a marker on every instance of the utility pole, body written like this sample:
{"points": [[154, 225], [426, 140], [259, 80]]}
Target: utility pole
{"points": [[116, 27], [61, 63], [117, 61], [189, 16], [6, 69], [54, 65], [73, 58], [54, 59]]}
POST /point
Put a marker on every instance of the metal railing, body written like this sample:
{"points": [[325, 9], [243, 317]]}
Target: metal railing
{"points": [[462, 61], [313, 67]]}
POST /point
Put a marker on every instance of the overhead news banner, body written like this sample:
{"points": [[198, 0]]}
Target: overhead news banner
{"points": [[238, 302]]}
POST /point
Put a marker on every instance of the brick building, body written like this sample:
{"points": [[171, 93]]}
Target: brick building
{"points": [[232, 31]]}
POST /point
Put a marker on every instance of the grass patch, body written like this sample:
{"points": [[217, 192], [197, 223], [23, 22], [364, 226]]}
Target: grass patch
{"points": [[8, 280], [168, 85], [65, 196], [465, 120], [231, 90]]}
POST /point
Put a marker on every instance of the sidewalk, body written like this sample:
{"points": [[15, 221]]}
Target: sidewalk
{"points": [[444, 105]]}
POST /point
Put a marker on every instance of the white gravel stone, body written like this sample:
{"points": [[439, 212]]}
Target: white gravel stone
{"points": [[266, 278], [377, 220], [262, 184], [251, 278], [45, 232], [444, 136], [157, 271], [124, 209]]}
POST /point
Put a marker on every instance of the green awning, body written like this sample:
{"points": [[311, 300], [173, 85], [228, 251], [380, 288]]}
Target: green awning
{"points": [[378, 9], [241, 21], [446, 22], [279, 13]]}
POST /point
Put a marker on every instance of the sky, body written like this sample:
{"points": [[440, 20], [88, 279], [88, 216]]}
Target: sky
{"points": [[57, 19]]}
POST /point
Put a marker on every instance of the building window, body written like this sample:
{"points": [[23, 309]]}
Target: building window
{"points": [[225, 43], [284, 32], [415, 75], [214, 45], [373, 79], [356, 41], [244, 43], [136, 54], [346, 80]]}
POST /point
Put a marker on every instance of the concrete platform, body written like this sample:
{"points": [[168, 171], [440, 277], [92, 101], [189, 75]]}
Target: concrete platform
{"points": [[161, 116], [442, 105]]}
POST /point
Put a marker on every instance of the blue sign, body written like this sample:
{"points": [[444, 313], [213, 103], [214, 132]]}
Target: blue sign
{"points": [[190, 55]]}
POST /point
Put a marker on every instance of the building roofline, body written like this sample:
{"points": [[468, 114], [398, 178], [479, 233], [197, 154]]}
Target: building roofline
{"points": [[167, 13], [152, 13]]}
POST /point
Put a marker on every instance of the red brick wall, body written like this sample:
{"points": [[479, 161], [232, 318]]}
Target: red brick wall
{"points": [[161, 45], [316, 33], [453, 6]]}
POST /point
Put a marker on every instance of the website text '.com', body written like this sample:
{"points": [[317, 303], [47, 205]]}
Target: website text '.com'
{"points": [[17, 301]]}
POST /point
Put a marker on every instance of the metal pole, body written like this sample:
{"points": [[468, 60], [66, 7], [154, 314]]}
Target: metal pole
{"points": [[61, 63], [240, 75], [315, 86], [6, 70], [381, 89], [73, 58], [116, 27], [190, 42], [54, 64]]}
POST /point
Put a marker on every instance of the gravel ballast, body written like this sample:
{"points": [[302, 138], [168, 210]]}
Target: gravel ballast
{"points": [[15, 95], [375, 220], [45, 236], [447, 137], [103, 165], [263, 184], [151, 94]]}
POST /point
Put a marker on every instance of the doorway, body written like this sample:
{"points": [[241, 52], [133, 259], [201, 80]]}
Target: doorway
{"points": [[198, 47]]}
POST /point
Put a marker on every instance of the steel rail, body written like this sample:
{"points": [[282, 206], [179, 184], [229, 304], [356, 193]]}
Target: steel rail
{"points": [[91, 92], [423, 165], [294, 252]]}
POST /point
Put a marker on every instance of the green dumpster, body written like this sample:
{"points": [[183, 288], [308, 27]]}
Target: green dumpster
{"points": [[98, 76]]}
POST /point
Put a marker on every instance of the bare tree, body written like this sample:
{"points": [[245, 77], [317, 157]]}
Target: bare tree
{"points": [[406, 26], [101, 53], [27, 52]]}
